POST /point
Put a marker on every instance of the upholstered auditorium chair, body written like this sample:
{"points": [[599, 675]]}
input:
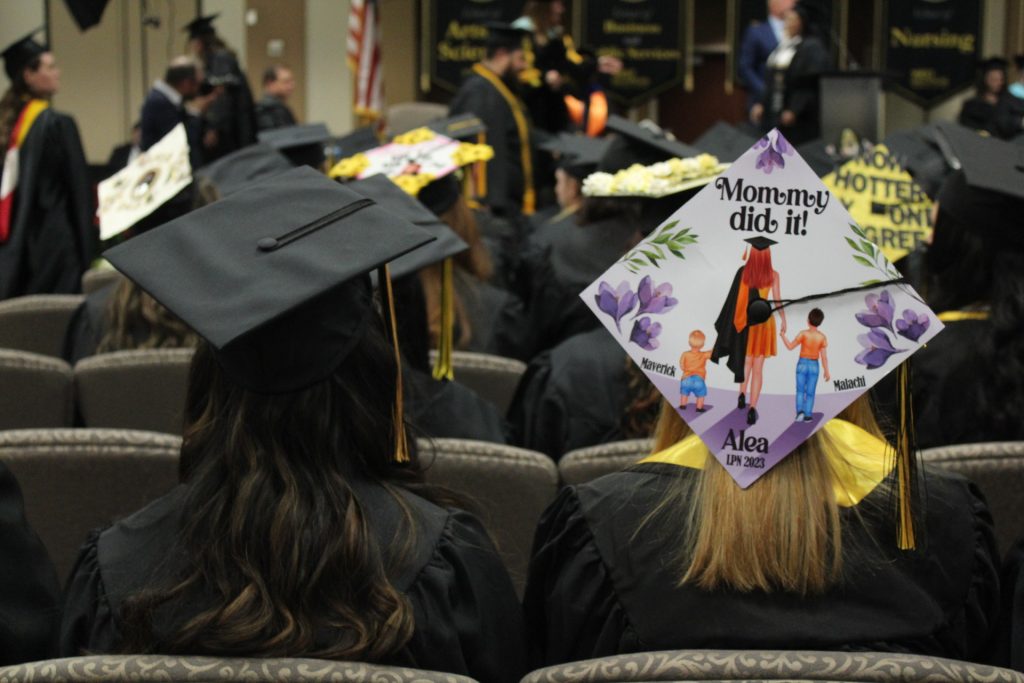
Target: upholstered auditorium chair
{"points": [[37, 323]]}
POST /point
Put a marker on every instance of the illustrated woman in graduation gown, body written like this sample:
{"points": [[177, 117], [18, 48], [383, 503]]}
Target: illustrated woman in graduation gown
{"points": [[302, 527], [741, 338], [46, 234]]}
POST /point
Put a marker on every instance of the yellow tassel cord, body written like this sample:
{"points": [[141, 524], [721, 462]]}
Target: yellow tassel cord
{"points": [[443, 369], [522, 128], [904, 455], [401, 444]]}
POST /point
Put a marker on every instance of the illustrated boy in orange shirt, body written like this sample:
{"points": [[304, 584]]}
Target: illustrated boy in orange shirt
{"points": [[694, 370], [812, 347]]}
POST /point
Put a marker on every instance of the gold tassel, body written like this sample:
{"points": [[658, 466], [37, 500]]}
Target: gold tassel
{"points": [[905, 538], [443, 369], [745, 250], [401, 444]]}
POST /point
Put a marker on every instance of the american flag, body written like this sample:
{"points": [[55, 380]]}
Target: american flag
{"points": [[364, 58]]}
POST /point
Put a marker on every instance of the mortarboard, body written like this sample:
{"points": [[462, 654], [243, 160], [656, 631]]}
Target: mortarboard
{"points": [[501, 35], [243, 167], [201, 26], [151, 181], [360, 140], [274, 276], [988, 190], [20, 54], [883, 198], [993, 63], [446, 244], [659, 179], [302, 144], [724, 141], [467, 126], [578, 155], [640, 144], [807, 253], [440, 195]]}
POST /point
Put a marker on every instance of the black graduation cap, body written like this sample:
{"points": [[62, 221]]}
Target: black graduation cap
{"points": [[920, 154], [201, 26], [636, 144], [20, 53], [502, 35], [724, 141], [441, 194], [274, 276], [467, 126], [993, 63], [988, 191], [87, 13], [395, 200], [760, 242], [578, 155], [243, 167], [360, 140], [302, 144]]}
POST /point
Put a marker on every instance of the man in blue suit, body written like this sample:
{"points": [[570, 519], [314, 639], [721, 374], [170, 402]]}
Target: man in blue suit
{"points": [[758, 42]]}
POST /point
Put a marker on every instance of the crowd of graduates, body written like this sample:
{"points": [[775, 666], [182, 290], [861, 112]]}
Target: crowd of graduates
{"points": [[302, 524]]}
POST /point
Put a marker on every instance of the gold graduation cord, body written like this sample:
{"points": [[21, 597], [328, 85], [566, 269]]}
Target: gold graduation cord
{"points": [[529, 197], [401, 444], [904, 455], [479, 178], [959, 316], [443, 369]]}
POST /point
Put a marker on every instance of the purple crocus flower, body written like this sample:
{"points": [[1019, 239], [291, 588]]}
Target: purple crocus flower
{"points": [[877, 349], [645, 334], [762, 143], [782, 145], [655, 299], [880, 311], [615, 302], [912, 325], [769, 159]]}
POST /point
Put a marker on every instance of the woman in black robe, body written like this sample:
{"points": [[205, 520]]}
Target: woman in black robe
{"points": [[619, 564], [984, 111], [46, 234], [302, 526], [29, 592]]}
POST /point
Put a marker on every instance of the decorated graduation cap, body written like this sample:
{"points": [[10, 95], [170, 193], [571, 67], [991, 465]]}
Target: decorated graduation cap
{"points": [[20, 54], [988, 190], [413, 160], [144, 187], [201, 26], [274, 277], [303, 144], [761, 308], [446, 244], [640, 144], [578, 155], [243, 167], [660, 179], [892, 210]]}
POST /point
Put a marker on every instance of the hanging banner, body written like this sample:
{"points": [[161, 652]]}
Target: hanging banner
{"points": [[647, 35], [454, 35], [931, 47]]}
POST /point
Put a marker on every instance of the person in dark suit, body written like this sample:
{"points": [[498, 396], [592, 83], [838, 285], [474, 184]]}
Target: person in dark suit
{"points": [[165, 107], [758, 42], [272, 110]]}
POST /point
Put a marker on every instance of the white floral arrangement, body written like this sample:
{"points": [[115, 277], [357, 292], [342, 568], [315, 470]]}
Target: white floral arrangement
{"points": [[657, 180]]}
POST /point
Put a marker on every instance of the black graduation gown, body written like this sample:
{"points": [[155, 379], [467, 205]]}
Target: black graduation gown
{"points": [[729, 343], [796, 89], [232, 114], [1009, 649], [272, 113], [449, 410], [597, 587], [29, 592], [468, 620], [551, 310], [52, 240], [978, 113], [88, 324], [482, 302], [572, 396], [505, 179]]}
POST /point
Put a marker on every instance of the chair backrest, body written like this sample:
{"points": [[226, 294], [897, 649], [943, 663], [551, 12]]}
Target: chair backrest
{"points": [[98, 278], [770, 665], [493, 378], [143, 389], [408, 115], [583, 464], [75, 480], [509, 488], [120, 668], [35, 391], [998, 470], [37, 323]]}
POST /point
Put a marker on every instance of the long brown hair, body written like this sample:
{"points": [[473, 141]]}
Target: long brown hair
{"points": [[277, 544], [13, 100], [135, 320], [475, 261], [783, 533]]}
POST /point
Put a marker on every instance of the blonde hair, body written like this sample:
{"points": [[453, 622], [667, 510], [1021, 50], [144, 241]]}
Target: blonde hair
{"points": [[783, 533], [696, 338], [476, 261]]}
